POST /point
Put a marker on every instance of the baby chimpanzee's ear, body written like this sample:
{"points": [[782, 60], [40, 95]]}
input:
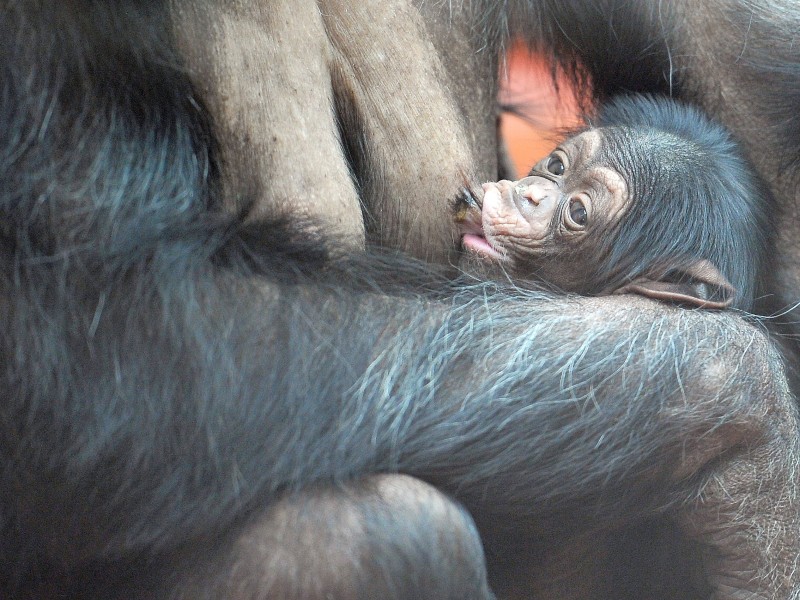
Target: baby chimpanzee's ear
{"points": [[700, 284]]}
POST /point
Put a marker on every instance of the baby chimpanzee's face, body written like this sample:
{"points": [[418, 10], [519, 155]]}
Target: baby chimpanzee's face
{"points": [[566, 198]]}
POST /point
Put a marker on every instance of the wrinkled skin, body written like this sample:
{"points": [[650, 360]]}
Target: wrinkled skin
{"points": [[652, 198], [193, 408], [542, 227]]}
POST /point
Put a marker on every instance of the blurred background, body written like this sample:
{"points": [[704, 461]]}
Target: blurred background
{"points": [[529, 89]]}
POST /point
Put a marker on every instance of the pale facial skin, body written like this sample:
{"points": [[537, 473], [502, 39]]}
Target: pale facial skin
{"points": [[566, 196]]}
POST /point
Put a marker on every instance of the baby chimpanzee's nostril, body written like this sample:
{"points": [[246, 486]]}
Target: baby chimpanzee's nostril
{"points": [[527, 195]]}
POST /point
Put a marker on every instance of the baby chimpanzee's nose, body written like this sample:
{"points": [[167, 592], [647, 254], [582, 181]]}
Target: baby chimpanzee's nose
{"points": [[533, 190]]}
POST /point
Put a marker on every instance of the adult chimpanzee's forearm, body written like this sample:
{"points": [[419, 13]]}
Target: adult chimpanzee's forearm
{"points": [[183, 406], [634, 393], [596, 413]]}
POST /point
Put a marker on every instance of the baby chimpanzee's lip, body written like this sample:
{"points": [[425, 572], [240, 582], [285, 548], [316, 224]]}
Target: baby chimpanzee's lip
{"points": [[477, 243], [473, 238]]}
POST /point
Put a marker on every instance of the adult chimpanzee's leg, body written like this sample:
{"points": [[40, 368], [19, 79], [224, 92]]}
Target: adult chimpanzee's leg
{"points": [[318, 80], [263, 69], [387, 536]]}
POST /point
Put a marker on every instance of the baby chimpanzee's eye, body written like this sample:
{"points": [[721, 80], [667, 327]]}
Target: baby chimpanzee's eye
{"points": [[577, 212], [555, 166]]}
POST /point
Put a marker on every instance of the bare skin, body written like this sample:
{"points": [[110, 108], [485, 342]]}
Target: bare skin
{"points": [[565, 197], [570, 223]]}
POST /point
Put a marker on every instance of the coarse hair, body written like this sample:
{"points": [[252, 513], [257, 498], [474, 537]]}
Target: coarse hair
{"points": [[693, 195]]}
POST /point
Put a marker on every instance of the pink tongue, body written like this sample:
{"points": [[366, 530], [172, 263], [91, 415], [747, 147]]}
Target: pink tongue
{"points": [[478, 243]]}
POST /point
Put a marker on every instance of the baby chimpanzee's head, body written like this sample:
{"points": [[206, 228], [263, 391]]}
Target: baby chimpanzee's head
{"points": [[651, 197]]}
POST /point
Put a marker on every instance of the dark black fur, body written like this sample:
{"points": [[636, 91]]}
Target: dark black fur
{"points": [[168, 374], [695, 197], [771, 72], [606, 46]]}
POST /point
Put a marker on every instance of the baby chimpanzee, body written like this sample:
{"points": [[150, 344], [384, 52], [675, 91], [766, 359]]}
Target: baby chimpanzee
{"points": [[652, 197]]}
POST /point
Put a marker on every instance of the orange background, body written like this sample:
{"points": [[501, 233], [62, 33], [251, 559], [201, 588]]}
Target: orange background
{"points": [[528, 84]]}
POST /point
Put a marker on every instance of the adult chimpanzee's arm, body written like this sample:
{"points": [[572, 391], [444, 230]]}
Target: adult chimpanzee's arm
{"points": [[164, 406]]}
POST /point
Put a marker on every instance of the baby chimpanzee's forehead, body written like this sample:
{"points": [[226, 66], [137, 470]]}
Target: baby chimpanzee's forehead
{"points": [[588, 170], [585, 152], [582, 148]]}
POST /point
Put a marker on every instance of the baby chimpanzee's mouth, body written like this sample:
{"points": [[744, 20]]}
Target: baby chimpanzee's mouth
{"points": [[478, 244], [470, 220]]}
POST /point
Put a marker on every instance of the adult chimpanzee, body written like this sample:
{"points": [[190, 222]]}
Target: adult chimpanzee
{"points": [[652, 198], [199, 403]]}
